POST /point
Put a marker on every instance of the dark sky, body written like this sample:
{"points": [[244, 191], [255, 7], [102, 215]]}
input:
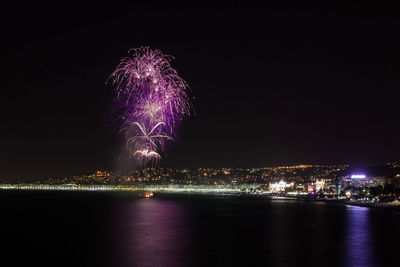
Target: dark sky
{"points": [[273, 85]]}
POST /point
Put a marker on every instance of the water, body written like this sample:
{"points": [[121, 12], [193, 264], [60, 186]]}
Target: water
{"points": [[112, 229]]}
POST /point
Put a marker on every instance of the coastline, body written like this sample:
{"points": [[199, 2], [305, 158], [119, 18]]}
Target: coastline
{"points": [[141, 191], [393, 206]]}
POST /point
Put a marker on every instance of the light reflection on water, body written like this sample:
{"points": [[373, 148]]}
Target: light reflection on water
{"points": [[160, 232], [112, 230], [156, 234], [187, 232], [359, 245]]}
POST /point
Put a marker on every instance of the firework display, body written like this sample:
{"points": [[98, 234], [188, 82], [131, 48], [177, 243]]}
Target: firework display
{"points": [[151, 100]]}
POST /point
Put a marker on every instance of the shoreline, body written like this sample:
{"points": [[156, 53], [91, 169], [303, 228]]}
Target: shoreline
{"points": [[380, 205], [393, 206]]}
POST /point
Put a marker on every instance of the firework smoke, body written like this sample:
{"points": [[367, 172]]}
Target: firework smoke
{"points": [[152, 101]]}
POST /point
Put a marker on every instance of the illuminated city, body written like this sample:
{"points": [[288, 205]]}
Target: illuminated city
{"points": [[311, 182]]}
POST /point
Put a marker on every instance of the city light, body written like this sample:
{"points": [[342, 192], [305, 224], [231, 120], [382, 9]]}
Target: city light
{"points": [[358, 176], [314, 182]]}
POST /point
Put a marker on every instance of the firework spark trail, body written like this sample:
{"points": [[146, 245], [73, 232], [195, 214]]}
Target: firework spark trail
{"points": [[150, 95], [149, 138], [145, 155]]}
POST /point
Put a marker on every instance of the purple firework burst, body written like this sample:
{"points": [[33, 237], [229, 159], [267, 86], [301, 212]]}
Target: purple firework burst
{"points": [[152, 101]]}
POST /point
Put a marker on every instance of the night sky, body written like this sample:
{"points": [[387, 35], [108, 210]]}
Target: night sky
{"points": [[272, 85]]}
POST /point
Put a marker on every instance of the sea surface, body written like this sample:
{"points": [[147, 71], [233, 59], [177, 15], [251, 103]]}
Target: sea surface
{"points": [[121, 229]]}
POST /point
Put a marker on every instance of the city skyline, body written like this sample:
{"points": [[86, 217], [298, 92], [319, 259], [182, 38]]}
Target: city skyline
{"points": [[272, 86], [376, 185], [382, 169]]}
